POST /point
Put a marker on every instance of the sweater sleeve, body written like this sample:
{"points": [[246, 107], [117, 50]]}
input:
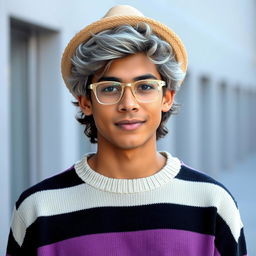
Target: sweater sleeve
{"points": [[16, 235], [13, 248], [229, 236], [225, 245]]}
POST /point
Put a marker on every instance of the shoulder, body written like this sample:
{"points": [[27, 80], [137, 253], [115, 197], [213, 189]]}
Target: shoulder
{"points": [[43, 199], [62, 180], [191, 175], [206, 191], [190, 180]]}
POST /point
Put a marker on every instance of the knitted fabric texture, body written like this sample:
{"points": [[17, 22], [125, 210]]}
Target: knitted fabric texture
{"points": [[177, 211]]}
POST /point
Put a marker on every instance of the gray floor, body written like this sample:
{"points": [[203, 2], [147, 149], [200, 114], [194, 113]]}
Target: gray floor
{"points": [[241, 181]]}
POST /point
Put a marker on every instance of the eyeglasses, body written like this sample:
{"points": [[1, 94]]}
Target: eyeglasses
{"points": [[111, 92]]}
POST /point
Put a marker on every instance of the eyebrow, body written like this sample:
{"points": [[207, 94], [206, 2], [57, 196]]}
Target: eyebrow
{"points": [[137, 78], [143, 77]]}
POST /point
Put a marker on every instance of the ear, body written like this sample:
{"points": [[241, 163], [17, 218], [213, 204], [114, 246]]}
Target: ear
{"points": [[85, 105], [168, 100]]}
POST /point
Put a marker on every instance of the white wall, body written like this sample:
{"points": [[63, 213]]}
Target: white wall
{"points": [[220, 38], [4, 129]]}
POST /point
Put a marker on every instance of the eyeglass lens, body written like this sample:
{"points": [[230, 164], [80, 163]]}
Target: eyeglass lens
{"points": [[111, 92]]}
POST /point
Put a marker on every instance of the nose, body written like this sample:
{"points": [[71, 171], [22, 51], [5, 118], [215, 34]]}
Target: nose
{"points": [[128, 101]]}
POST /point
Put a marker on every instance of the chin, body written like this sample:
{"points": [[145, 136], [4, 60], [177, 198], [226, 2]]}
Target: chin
{"points": [[127, 141], [132, 143]]}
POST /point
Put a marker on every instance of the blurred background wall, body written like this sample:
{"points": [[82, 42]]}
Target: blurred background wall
{"points": [[214, 132]]}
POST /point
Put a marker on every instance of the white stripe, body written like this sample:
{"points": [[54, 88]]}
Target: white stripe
{"points": [[52, 202], [18, 227]]}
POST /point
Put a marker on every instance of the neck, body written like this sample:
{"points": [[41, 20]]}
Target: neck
{"points": [[127, 163]]}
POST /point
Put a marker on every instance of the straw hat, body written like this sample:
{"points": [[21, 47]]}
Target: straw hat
{"points": [[116, 16]]}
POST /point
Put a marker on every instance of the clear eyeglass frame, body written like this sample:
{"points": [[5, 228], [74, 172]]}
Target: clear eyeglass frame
{"points": [[132, 85]]}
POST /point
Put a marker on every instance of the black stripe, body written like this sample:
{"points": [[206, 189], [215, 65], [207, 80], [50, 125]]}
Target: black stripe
{"points": [[189, 174], [225, 242], [15, 250], [52, 229], [12, 247], [68, 178], [241, 244]]}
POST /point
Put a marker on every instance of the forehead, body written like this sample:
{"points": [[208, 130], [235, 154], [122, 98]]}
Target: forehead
{"points": [[129, 67]]}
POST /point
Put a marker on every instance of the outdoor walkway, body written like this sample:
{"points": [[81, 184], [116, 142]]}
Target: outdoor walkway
{"points": [[241, 181]]}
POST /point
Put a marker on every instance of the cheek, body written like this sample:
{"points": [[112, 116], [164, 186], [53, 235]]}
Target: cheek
{"points": [[98, 118], [156, 114], [102, 118], [159, 118]]}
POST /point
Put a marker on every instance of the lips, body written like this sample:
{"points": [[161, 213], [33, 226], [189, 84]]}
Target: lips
{"points": [[129, 125]]}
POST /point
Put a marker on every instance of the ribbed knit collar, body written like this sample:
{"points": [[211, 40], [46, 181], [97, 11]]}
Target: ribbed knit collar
{"points": [[91, 177]]}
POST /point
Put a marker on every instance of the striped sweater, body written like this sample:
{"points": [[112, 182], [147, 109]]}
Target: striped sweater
{"points": [[177, 211]]}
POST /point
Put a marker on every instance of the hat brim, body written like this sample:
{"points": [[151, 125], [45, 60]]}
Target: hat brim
{"points": [[160, 29]]}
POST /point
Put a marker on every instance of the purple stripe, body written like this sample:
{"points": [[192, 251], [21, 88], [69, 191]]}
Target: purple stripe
{"points": [[136, 243], [216, 252]]}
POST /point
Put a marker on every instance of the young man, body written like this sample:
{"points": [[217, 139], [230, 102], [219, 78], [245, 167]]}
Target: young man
{"points": [[127, 198]]}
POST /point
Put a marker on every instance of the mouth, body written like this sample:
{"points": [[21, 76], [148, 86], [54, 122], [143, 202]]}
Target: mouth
{"points": [[129, 125]]}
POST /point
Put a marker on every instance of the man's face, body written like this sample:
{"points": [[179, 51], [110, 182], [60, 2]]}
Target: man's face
{"points": [[128, 124]]}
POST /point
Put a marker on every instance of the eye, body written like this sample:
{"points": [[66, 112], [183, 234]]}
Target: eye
{"points": [[110, 88], [146, 86]]}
